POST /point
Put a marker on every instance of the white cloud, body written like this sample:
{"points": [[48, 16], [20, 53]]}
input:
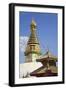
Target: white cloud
{"points": [[23, 42]]}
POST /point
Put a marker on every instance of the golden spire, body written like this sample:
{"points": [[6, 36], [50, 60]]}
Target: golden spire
{"points": [[33, 43], [33, 37]]}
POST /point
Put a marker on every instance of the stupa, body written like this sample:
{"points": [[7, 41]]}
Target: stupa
{"points": [[32, 52]]}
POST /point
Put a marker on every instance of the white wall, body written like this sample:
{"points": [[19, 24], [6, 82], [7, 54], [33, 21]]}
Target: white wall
{"points": [[4, 44]]}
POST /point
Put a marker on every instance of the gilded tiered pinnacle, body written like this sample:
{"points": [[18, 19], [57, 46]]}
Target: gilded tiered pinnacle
{"points": [[33, 43], [33, 36]]}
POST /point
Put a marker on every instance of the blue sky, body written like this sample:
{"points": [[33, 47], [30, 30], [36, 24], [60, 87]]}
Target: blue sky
{"points": [[47, 30]]}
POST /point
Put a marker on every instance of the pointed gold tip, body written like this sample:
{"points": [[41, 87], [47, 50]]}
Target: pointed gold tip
{"points": [[33, 22]]}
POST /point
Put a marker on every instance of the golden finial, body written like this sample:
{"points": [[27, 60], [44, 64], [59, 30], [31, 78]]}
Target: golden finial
{"points": [[33, 22]]}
